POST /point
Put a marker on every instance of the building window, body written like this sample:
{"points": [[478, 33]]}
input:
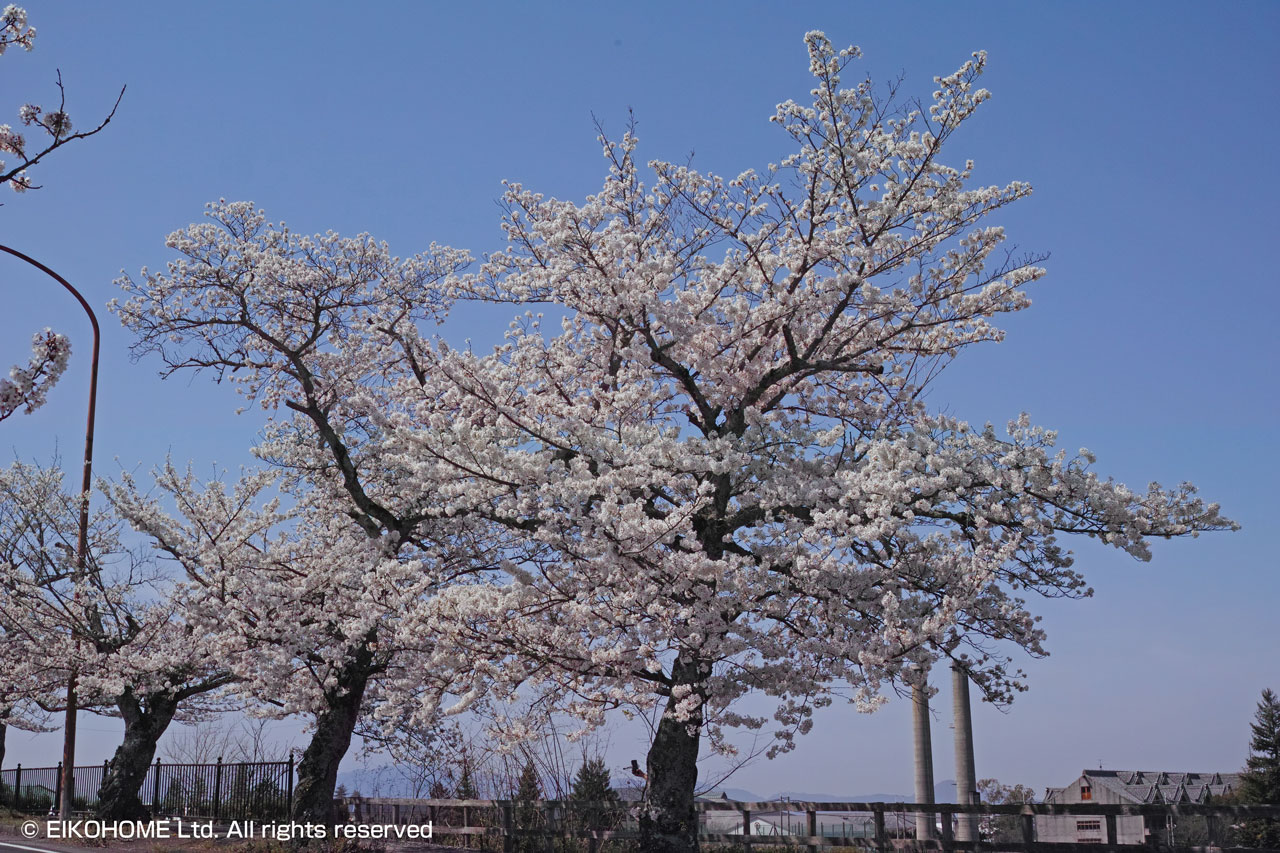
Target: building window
{"points": [[1088, 826], [1094, 840], [1086, 793]]}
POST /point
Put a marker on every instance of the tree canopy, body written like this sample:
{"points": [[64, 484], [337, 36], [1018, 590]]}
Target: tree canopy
{"points": [[719, 474]]}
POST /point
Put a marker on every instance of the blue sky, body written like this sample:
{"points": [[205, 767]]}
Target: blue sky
{"points": [[1147, 132]]}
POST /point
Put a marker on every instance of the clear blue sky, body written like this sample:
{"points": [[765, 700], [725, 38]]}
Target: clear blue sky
{"points": [[1147, 130]]}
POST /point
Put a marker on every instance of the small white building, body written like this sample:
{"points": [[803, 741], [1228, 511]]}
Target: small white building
{"points": [[1119, 787]]}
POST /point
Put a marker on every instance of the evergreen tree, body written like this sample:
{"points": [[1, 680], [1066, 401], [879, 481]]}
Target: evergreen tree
{"points": [[593, 802], [1260, 782], [527, 788], [173, 800], [466, 789], [526, 812], [1261, 779]]}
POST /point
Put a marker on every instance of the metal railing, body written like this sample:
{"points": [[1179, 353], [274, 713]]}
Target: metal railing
{"points": [[260, 790], [510, 825]]}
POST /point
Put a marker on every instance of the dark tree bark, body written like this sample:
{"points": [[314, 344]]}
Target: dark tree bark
{"points": [[318, 769], [670, 822], [145, 720]]}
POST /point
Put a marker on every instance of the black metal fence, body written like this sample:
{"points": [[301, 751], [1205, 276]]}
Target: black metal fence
{"points": [[508, 826], [260, 790]]}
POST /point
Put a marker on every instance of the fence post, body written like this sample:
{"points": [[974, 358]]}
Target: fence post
{"points": [[1111, 829], [155, 789], [882, 839], [17, 787], [1028, 830], [746, 830], [948, 835], [217, 789], [289, 804], [813, 828], [508, 824]]}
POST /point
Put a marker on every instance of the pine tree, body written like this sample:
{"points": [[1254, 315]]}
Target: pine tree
{"points": [[466, 789], [527, 788], [526, 812], [1260, 782], [594, 803], [1261, 779]]}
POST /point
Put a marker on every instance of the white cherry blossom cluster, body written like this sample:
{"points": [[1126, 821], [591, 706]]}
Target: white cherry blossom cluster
{"points": [[54, 124], [113, 619], [14, 29], [27, 387], [311, 589], [289, 596], [716, 476], [721, 466]]}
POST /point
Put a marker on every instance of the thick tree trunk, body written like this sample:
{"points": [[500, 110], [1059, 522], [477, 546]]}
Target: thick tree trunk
{"points": [[145, 720], [670, 823], [318, 769]]}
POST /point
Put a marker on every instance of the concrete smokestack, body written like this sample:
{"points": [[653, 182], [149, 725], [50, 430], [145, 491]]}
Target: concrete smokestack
{"points": [[925, 824], [966, 778]]}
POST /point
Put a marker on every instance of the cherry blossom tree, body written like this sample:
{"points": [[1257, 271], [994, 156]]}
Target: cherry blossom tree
{"points": [[300, 604], [165, 674], [37, 606], [313, 325], [722, 465], [116, 623], [718, 476]]}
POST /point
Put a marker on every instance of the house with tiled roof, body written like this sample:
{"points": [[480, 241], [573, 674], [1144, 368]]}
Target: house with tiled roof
{"points": [[1134, 787]]}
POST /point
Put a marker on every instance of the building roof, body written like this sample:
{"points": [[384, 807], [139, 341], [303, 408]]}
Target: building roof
{"points": [[1156, 786]]}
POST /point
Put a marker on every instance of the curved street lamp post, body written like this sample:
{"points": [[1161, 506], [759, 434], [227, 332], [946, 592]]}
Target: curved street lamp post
{"points": [[82, 539]]}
